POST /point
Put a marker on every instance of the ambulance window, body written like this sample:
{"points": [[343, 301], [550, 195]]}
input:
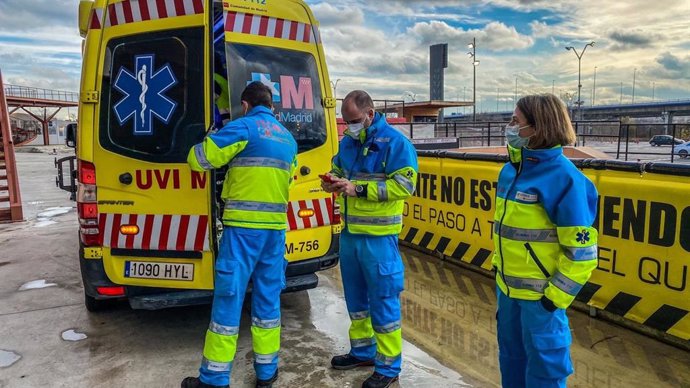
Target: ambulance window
{"points": [[152, 105], [294, 79]]}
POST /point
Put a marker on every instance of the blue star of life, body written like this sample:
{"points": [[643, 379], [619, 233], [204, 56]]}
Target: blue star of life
{"points": [[266, 80], [144, 94]]}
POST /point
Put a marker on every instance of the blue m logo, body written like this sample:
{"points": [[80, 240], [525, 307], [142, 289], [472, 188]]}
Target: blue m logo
{"points": [[144, 94]]}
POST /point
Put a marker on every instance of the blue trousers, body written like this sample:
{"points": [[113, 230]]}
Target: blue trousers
{"points": [[373, 276], [245, 254], [533, 344]]}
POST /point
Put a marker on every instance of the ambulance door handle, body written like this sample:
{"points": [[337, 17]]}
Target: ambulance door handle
{"points": [[305, 170], [126, 178]]}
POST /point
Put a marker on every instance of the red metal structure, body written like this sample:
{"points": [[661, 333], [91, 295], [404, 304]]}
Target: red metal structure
{"points": [[10, 198], [21, 97]]}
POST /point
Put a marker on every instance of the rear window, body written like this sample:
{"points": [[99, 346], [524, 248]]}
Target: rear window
{"points": [[152, 105], [294, 79]]}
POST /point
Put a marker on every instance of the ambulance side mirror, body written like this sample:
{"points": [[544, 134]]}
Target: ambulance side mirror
{"points": [[85, 7], [71, 135]]}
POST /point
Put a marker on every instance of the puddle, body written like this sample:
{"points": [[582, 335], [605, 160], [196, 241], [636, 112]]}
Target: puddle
{"points": [[53, 211], [71, 335], [35, 284], [8, 358], [44, 223]]}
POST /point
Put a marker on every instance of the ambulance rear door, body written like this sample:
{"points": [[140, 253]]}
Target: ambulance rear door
{"points": [[156, 215], [278, 44]]}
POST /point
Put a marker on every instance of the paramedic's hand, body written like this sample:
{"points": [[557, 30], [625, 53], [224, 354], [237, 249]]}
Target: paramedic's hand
{"points": [[330, 187], [345, 187]]}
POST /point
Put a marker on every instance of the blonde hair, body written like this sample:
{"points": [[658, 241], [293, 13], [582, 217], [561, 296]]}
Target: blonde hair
{"points": [[549, 117]]}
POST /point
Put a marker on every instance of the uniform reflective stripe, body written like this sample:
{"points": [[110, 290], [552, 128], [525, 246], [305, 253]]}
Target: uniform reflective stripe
{"points": [[265, 358], [215, 366], [389, 328], [359, 315], [201, 157], [256, 206], [266, 324], [261, 162], [370, 177], [404, 182], [224, 330], [361, 342], [521, 234], [364, 220], [382, 191], [385, 360], [537, 285], [581, 254], [566, 284]]}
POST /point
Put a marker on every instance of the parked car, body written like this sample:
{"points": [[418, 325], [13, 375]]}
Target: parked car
{"points": [[683, 150], [659, 140]]}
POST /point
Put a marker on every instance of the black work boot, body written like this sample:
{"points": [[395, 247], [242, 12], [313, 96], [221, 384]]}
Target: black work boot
{"points": [[377, 380], [348, 361], [194, 382], [267, 383]]}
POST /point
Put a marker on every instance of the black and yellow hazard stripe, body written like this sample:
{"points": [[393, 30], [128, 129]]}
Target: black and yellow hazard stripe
{"points": [[648, 312], [459, 250]]}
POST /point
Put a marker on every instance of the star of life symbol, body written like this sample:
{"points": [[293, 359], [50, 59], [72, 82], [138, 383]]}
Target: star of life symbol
{"points": [[582, 237], [266, 80], [144, 94]]}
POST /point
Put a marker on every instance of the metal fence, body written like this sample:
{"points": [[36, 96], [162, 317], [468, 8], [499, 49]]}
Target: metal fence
{"points": [[40, 94], [618, 139]]}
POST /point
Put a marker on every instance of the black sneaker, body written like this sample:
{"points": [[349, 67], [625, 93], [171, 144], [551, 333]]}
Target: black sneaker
{"points": [[267, 383], [377, 380], [347, 361], [194, 382]]}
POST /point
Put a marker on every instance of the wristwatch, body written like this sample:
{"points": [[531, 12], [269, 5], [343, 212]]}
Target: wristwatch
{"points": [[361, 190]]}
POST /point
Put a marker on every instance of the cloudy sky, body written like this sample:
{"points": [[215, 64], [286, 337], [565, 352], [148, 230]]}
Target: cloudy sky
{"points": [[383, 46]]}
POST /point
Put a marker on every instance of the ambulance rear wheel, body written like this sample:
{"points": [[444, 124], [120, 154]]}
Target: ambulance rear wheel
{"points": [[95, 305]]}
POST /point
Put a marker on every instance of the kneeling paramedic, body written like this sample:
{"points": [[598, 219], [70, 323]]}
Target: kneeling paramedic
{"points": [[375, 170], [261, 158]]}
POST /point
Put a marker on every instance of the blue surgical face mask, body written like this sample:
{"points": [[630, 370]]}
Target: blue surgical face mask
{"points": [[513, 136]]}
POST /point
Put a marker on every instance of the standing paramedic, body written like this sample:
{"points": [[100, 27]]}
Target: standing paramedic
{"points": [[261, 158], [545, 245], [375, 171]]}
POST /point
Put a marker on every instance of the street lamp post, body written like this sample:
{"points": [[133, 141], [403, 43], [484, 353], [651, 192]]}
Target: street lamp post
{"points": [[594, 89], [473, 54], [633, 91], [579, 73], [335, 87], [653, 87], [515, 96]]}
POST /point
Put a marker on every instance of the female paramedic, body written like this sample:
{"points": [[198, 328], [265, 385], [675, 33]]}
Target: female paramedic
{"points": [[546, 247]]}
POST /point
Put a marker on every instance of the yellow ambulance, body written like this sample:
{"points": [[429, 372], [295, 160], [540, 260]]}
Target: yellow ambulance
{"points": [[147, 224]]}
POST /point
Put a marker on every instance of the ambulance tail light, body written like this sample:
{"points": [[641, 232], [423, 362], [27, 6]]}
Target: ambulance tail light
{"points": [[336, 212], [87, 206]]}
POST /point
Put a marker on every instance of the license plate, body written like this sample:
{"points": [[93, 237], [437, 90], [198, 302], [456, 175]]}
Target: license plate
{"points": [[148, 270]]}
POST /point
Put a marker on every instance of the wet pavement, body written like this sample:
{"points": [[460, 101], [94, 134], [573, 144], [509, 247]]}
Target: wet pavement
{"points": [[47, 338]]}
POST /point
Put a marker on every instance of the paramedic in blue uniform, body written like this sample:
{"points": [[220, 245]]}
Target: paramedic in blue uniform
{"points": [[261, 158], [374, 171], [545, 245]]}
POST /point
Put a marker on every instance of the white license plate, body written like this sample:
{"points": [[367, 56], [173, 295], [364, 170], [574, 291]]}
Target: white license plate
{"points": [[148, 270]]}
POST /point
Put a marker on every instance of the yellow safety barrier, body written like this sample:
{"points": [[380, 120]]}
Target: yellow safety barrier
{"points": [[643, 223]]}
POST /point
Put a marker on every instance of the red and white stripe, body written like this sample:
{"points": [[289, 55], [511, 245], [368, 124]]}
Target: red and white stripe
{"points": [[246, 23], [156, 232], [323, 213], [132, 11]]}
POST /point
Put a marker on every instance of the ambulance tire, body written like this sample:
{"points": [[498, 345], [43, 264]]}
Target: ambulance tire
{"points": [[94, 305]]}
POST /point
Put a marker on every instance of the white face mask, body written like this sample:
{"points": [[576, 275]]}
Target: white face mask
{"points": [[513, 136], [353, 130]]}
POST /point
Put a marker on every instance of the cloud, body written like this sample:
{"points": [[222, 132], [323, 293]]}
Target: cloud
{"points": [[633, 39], [332, 16], [495, 36]]}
